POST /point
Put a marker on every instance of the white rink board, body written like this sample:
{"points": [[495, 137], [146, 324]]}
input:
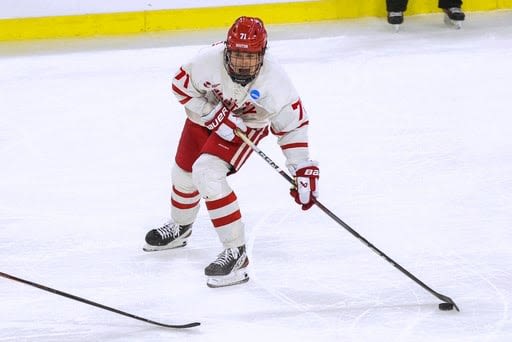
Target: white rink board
{"points": [[42, 8]]}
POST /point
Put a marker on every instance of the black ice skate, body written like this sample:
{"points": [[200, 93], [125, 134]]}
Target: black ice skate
{"points": [[230, 268], [454, 16], [170, 235], [396, 19]]}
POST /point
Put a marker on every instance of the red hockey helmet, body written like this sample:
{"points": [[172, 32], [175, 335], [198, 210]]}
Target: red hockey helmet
{"points": [[245, 47], [247, 34]]}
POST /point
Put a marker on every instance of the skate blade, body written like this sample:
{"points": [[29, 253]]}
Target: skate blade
{"points": [[238, 277], [457, 24], [173, 245], [397, 28]]}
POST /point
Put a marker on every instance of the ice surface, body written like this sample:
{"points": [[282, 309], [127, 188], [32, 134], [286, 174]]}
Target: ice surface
{"points": [[413, 132]]}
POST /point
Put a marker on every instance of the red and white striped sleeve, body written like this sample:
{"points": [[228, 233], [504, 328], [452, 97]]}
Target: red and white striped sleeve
{"points": [[290, 125], [194, 99]]}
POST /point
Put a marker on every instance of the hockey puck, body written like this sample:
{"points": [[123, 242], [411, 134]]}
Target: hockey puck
{"points": [[446, 306]]}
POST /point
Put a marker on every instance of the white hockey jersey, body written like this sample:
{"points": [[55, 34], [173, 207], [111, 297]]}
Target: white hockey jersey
{"points": [[270, 99]]}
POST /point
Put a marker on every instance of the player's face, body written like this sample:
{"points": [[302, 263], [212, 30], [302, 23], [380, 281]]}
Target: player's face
{"points": [[245, 63]]}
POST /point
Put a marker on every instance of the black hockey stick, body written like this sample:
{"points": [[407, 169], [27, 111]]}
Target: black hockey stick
{"points": [[444, 298], [101, 306]]}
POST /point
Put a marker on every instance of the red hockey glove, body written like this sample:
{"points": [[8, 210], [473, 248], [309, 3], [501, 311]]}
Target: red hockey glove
{"points": [[306, 180], [222, 121]]}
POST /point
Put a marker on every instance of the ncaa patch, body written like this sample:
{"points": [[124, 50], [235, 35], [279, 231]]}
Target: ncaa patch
{"points": [[255, 94]]}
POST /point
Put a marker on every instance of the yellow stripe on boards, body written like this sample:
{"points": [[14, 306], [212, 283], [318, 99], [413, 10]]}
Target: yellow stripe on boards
{"points": [[71, 26], [202, 18], [213, 17], [503, 4]]}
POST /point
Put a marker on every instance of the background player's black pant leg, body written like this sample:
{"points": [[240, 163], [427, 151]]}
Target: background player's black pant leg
{"points": [[396, 5], [449, 3]]}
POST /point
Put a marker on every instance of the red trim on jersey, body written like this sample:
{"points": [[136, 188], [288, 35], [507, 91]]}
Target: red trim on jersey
{"points": [[183, 205], [180, 75], [274, 132], [298, 104], [225, 220], [305, 123], [294, 145], [249, 108], [221, 202], [184, 194], [180, 92]]}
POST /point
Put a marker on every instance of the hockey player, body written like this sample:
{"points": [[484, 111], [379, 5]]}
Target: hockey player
{"points": [[451, 8], [233, 85]]}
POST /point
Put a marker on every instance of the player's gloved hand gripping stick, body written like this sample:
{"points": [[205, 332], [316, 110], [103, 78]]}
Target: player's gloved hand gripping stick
{"points": [[222, 121], [448, 303], [305, 189]]}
